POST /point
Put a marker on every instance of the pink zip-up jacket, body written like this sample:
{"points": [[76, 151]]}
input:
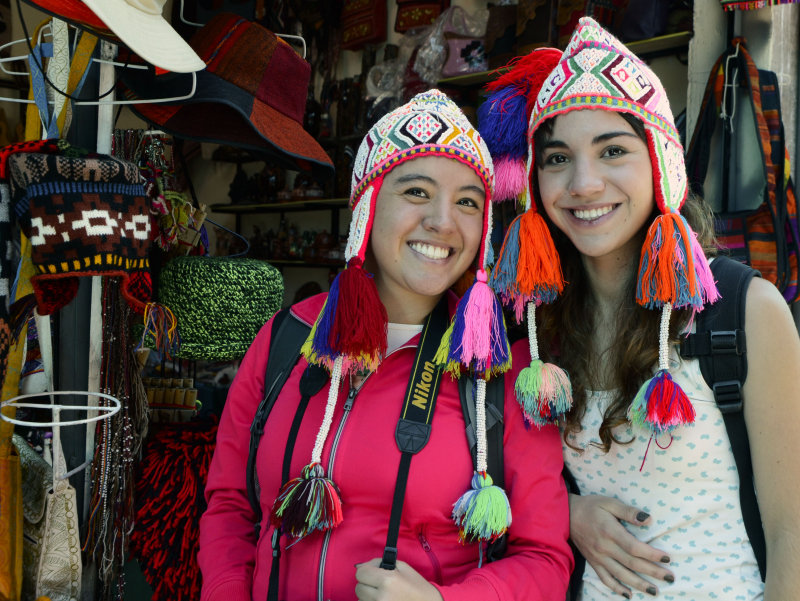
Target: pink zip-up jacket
{"points": [[364, 457]]}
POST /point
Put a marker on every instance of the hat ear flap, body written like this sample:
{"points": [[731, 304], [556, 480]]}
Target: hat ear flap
{"points": [[352, 324]]}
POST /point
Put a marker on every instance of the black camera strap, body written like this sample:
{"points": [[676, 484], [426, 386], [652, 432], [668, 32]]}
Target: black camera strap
{"points": [[414, 426]]}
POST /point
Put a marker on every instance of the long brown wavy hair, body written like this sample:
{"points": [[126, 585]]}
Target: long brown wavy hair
{"points": [[566, 326]]}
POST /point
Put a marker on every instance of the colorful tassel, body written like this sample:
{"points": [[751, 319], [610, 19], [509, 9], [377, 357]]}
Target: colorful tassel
{"points": [[160, 327], [661, 405], [673, 268], [510, 178], [528, 268], [504, 118], [311, 501], [482, 513], [477, 336], [308, 503], [351, 325], [543, 390]]}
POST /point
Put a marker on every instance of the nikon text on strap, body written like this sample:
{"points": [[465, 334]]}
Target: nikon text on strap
{"points": [[414, 426]]}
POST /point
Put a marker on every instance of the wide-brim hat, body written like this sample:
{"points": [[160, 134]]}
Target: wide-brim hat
{"points": [[252, 95], [140, 26]]}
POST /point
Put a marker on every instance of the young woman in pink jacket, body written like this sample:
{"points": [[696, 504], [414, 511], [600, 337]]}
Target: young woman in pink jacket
{"points": [[387, 334]]}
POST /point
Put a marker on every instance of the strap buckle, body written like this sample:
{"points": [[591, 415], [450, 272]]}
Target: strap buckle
{"points": [[726, 342], [276, 547], [389, 561], [728, 395]]}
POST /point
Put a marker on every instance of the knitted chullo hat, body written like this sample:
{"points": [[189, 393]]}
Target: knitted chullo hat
{"points": [[350, 333], [596, 71], [85, 216]]}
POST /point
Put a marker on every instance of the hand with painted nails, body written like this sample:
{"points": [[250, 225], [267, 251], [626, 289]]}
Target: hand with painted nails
{"points": [[403, 583], [622, 562]]}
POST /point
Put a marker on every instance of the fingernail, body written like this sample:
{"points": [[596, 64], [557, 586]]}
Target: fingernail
{"points": [[665, 559], [669, 578], [642, 516], [651, 590]]}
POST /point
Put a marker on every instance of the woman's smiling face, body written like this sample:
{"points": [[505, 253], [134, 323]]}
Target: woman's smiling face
{"points": [[596, 181], [426, 229]]}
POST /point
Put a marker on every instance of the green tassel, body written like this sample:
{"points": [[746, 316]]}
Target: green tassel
{"points": [[482, 513]]}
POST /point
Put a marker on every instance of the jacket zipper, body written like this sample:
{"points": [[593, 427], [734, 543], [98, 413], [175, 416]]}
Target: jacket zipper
{"points": [[348, 406], [437, 568]]}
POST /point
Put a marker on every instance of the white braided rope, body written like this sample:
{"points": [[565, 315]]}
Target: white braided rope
{"points": [[325, 426], [480, 425], [663, 337], [534, 343], [526, 190], [487, 237]]}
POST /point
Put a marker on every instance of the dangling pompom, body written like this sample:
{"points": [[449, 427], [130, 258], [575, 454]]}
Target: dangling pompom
{"points": [[544, 392], [308, 503], [661, 405], [482, 513], [509, 177], [504, 275], [504, 118], [539, 277], [669, 271], [477, 337], [352, 324]]}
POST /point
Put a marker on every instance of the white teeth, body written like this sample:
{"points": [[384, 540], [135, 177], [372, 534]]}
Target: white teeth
{"points": [[432, 252], [592, 213]]}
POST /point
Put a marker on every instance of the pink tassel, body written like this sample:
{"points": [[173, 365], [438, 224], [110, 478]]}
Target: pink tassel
{"points": [[705, 279], [509, 178], [478, 320]]}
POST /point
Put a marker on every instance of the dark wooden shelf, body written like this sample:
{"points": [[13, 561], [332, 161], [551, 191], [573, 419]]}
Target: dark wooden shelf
{"points": [[320, 204], [644, 49]]}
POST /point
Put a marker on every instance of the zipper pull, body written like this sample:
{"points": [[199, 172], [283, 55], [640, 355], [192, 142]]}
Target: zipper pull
{"points": [[424, 542], [351, 396]]}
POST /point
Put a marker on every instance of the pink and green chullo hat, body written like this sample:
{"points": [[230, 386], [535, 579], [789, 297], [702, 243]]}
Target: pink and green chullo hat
{"points": [[349, 335], [596, 71]]}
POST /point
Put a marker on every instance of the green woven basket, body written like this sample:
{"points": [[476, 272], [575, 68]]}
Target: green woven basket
{"points": [[220, 303]]}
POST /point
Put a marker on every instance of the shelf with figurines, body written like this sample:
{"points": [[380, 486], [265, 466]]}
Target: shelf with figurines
{"points": [[645, 49]]}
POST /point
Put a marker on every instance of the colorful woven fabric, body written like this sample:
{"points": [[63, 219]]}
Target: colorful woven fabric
{"points": [[598, 71], [752, 4], [84, 216], [220, 303], [431, 124]]}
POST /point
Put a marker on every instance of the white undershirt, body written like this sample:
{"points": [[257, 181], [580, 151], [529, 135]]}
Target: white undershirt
{"points": [[397, 334]]}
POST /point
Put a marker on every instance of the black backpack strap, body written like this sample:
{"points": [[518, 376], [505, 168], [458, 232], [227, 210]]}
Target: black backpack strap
{"points": [[288, 335], [495, 391], [720, 345], [495, 403]]}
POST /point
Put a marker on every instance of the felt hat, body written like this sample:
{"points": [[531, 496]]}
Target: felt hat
{"points": [[85, 215], [252, 95], [596, 71], [349, 336], [139, 24], [220, 303]]}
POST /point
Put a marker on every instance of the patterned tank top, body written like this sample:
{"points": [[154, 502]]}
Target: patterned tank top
{"points": [[690, 486]]}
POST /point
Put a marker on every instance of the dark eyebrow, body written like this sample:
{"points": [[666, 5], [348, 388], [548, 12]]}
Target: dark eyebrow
{"points": [[414, 177], [596, 140]]}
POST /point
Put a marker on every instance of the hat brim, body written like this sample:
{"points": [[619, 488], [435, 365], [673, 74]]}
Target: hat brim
{"points": [[78, 14], [223, 113], [148, 35]]}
